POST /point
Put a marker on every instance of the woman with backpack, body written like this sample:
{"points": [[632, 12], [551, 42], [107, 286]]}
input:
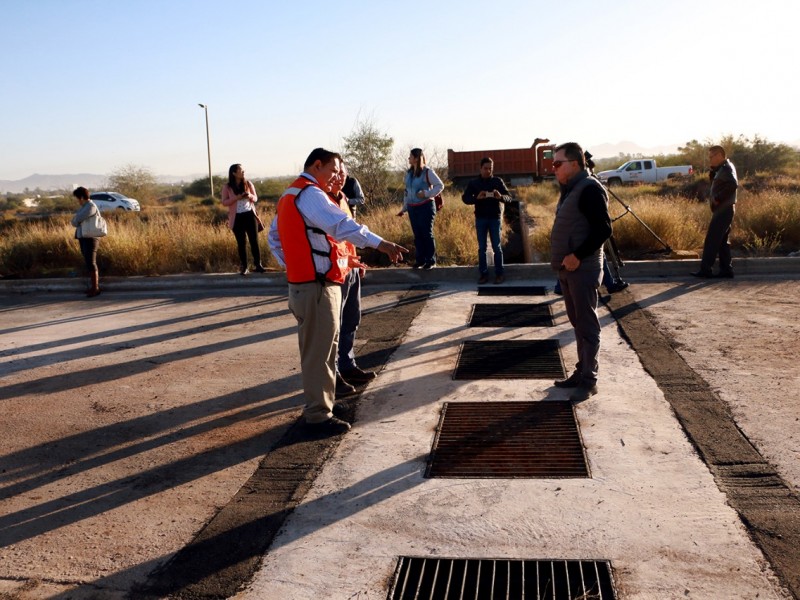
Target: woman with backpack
{"points": [[422, 186]]}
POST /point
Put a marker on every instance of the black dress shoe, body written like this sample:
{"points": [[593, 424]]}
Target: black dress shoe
{"points": [[613, 289], [703, 274], [260, 269], [343, 389], [356, 376], [583, 392], [343, 410], [333, 426], [572, 381]]}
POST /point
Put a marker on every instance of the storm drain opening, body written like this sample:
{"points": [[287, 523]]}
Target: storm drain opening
{"points": [[511, 315], [418, 578], [512, 290], [508, 440], [509, 359]]}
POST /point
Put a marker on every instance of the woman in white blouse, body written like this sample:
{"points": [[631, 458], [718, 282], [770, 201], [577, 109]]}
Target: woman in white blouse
{"points": [[239, 195]]}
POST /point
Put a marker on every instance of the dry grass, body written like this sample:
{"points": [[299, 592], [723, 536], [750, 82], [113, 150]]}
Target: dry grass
{"points": [[197, 240], [767, 219]]}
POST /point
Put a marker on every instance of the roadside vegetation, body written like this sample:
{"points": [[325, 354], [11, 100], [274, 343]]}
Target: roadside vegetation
{"points": [[183, 230]]}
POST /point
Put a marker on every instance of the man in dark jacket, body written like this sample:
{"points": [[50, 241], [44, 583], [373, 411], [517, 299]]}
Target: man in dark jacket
{"points": [[581, 226], [487, 193], [722, 200]]}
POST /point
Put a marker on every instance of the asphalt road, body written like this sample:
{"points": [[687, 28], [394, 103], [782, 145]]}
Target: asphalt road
{"points": [[136, 422]]}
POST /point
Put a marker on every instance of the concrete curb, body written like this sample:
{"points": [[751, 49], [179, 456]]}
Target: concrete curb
{"points": [[645, 269]]}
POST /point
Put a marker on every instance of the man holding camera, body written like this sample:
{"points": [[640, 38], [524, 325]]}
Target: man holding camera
{"points": [[581, 226], [487, 193]]}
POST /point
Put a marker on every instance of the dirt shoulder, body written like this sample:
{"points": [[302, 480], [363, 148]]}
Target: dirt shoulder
{"points": [[130, 421], [723, 353]]}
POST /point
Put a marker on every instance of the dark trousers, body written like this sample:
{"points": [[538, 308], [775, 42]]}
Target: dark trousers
{"points": [[717, 241], [580, 298], [351, 319], [490, 227], [89, 252], [422, 218], [245, 225]]}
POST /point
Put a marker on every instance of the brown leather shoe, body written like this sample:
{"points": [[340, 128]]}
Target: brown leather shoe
{"points": [[343, 389], [356, 376], [499, 279]]}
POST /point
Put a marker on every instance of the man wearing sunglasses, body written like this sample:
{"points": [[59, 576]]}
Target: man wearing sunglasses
{"points": [[581, 226]]}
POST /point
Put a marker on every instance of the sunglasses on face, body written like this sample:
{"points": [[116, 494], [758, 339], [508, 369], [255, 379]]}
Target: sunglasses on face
{"points": [[557, 163]]}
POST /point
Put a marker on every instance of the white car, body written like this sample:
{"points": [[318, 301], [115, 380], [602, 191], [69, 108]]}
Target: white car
{"points": [[108, 201]]}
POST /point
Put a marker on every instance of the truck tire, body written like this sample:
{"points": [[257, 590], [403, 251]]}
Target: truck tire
{"points": [[614, 182]]}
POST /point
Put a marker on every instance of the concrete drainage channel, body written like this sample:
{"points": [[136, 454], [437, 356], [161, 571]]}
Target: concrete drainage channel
{"points": [[765, 504]]}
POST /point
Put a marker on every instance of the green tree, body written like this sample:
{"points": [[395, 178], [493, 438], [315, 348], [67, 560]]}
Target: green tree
{"points": [[694, 153], [367, 153], [749, 155], [135, 182], [200, 188]]}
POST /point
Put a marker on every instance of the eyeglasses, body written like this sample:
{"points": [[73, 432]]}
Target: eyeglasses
{"points": [[557, 163]]}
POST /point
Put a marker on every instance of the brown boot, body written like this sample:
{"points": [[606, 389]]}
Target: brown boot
{"points": [[95, 282]]}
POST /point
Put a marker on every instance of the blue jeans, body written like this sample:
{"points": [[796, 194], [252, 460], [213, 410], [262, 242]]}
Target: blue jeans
{"points": [[350, 320], [492, 227], [422, 218]]}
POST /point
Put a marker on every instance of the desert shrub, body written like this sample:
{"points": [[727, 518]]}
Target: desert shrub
{"points": [[767, 222]]}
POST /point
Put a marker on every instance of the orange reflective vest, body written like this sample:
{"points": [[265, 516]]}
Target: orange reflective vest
{"points": [[300, 241]]}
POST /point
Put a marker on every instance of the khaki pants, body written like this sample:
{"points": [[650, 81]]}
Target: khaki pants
{"points": [[316, 306]]}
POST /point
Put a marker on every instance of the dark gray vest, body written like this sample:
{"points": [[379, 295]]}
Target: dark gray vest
{"points": [[570, 228]]}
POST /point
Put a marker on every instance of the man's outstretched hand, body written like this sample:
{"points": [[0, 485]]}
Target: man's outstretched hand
{"points": [[392, 250]]}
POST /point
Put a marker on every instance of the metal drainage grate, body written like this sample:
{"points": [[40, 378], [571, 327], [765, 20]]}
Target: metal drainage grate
{"points": [[512, 290], [511, 315], [508, 440], [509, 359], [494, 579]]}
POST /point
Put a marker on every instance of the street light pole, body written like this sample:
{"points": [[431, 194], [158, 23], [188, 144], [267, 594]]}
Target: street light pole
{"points": [[208, 144]]}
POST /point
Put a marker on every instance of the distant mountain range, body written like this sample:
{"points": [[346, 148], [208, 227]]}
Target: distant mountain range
{"points": [[48, 183]]}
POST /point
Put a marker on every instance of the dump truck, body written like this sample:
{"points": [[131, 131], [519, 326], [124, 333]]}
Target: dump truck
{"points": [[518, 166], [642, 170]]}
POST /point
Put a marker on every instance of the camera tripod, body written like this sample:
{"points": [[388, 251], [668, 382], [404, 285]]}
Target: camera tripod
{"points": [[610, 247]]}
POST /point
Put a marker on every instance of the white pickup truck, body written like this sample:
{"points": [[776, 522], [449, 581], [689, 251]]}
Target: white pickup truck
{"points": [[643, 170]]}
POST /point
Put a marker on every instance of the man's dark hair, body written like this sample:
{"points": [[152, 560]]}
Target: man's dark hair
{"points": [[718, 150], [485, 160], [572, 151], [81, 193], [320, 154]]}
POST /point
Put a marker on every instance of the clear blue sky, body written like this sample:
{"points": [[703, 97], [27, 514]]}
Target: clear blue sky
{"points": [[90, 86]]}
